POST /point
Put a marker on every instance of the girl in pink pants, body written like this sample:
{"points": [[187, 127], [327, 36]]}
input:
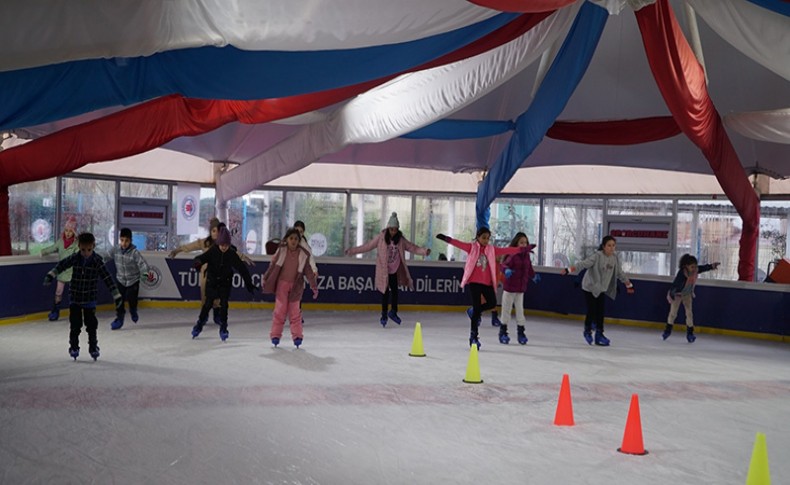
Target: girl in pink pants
{"points": [[285, 278]]}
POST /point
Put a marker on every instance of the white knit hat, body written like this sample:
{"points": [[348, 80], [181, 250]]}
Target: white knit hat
{"points": [[393, 222]]}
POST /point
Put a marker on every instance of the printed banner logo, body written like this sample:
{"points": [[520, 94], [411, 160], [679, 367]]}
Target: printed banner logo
{"points": [[154, 278], [188, 207]]}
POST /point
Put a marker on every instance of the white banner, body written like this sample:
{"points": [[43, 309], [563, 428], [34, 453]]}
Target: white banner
{"points": [[161, 284], [187, 209]]}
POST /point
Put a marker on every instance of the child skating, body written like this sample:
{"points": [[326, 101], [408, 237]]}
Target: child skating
{"points": [[87, 267], [285, 278], [682, 291], [518, 272], [130, 266], [65, 247], [391, 269], [603, 271], [220, 260], [479, 275]]}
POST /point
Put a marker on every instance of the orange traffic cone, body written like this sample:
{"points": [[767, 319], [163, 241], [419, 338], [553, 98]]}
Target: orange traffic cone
{"points": [[564, 414], [632, 438]]}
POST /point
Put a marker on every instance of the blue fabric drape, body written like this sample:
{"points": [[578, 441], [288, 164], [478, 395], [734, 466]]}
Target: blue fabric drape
{"points": [[49, 93], [561, 80], [461, 129], [779, 6]]}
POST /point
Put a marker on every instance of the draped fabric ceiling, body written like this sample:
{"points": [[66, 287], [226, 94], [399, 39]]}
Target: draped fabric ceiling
{"points": [[495, 85]]}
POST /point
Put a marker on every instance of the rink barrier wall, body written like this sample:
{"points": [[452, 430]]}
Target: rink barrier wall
{"points": [[757, 310]]}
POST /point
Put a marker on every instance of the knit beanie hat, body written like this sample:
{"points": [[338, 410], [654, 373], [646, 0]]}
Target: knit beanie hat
{"points": [[223, 236], [71, 224], [393, 222]]}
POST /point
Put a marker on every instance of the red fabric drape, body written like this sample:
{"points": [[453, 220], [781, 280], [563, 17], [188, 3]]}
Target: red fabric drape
{"points": [[154, 123], [5, 236], [616, 132], [681, 81], [523, 6]]}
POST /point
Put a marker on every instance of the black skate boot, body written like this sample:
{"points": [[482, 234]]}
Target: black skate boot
{"points": [[297, 342], [223, 331], [383, 320], [215, 316], [198, 328], [474, 340], [588, 337], [117, 323], [667, 331], [504, 338], [74, 352], [495, 321], [601, 340], [94, 351], [522, 338], [55, 313], [690, 335]]}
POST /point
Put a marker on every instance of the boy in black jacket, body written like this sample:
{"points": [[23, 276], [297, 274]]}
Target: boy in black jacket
{"points": [[221, 260], [87, 268]]}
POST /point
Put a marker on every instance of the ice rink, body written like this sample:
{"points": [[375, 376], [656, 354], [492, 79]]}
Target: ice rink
{"points": [[352, 407]]}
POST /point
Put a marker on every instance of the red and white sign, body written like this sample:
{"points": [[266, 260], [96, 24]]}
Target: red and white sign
{"points": [[643, 233]]}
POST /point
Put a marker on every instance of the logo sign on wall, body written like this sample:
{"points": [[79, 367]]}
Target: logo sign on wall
{"points": [[646, 233], [40, 230], [188, 208], [251, 242], [318, 244], [154, 279]]}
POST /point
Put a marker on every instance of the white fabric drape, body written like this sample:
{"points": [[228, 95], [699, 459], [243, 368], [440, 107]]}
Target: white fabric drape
{"points": [[762, 35], [773, 126], [36, 33], [401, 106]]}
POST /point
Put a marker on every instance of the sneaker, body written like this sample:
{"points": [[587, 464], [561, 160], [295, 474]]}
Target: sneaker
{"points": [[383, 320], [601, 340], [394, 316], [588, 337], [275, 341], [667, 332], [134, 316], [297, 342]]}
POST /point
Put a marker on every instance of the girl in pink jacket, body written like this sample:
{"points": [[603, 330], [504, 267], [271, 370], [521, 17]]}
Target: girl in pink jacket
{"points": [[285, 278], [391, 269], [479, 274]]}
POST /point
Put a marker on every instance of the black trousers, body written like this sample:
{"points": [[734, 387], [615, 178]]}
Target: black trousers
{"points": [[128, 294], [392, 290], [595, 308], [476, 290], [77, 315], [212, 293]]}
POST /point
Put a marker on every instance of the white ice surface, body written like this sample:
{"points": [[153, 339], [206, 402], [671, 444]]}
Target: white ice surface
{"points": [[352, 407]]}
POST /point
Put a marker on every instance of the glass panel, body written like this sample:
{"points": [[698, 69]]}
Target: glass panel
{"points": [[710, 230], [642, 262], [509, 216], [774, 229], [207, 211], [639, 207], [144, 190], [323, 214], [572, 230], [369, 216], [432, 216], [256, 218], [92, 202], [31, 215]]}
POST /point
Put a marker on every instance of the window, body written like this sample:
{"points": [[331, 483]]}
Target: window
{"points": [[323, 214], [774, 229], [92, 202], [710, 231], [370, 214], [572, 230], [32, 213], [207, 211]]}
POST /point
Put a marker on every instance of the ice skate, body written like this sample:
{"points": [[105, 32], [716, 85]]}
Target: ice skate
{"points": [[690, 335], [134, 315], [474, 340], [223, 332], [297, 342], [117, 323], [215, 316], [470, 312], [383, 320], [667, 332], [495, 321], [394, 317], [588, 337], [275, 341], [504, 338], [601, 340], [54, 315], [94, 351], [197, 328], [522, 338], [74, 353]]}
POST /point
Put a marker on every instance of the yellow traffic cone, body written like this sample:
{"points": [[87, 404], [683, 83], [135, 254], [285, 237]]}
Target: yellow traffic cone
{"points": [[759, 474], [416, 344], [473, 367]]}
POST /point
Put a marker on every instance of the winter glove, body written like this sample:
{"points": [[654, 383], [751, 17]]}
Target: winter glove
{"points": [[442, 237], [118, 302], [315, 293], [536, 278], [48, 279], [508, 272]]}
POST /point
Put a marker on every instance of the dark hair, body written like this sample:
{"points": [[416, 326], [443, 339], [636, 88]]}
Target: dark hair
{"points": [[126, 232], [209, 241], [442, 257], [686, 260], [85, 238], [291, 230], [300, 224], [481, 231], [518, 236], [395, 238], [605, 240]]}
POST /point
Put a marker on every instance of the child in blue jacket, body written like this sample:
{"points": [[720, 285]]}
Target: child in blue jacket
{"points": [[682, 291]]}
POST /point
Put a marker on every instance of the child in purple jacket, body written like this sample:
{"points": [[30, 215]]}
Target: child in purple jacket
{"points": [[518, 271]]}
